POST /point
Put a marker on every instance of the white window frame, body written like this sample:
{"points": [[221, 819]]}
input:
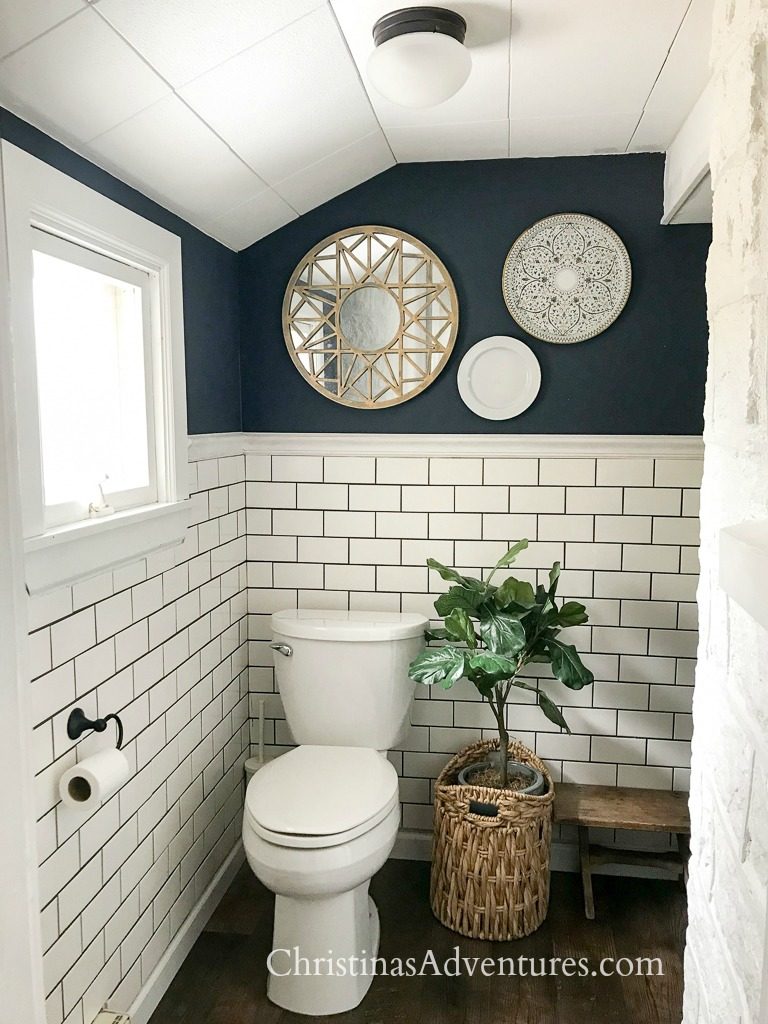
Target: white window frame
{"points": [[21, 978], [76, 254], [38, 197]]}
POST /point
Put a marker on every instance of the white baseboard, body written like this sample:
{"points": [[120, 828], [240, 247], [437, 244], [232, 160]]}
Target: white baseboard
{"points": [[145, 1003], [415, 845], [412, 845]]}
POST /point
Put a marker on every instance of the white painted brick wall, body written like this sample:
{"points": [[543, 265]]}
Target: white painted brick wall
{"points": [[725, 969]]}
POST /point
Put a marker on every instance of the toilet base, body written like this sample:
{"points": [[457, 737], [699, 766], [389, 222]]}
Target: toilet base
{"points": [[312, 970]]}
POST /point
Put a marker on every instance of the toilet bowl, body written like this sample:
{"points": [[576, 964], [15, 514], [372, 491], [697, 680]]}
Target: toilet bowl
{"points": [[320, 820]]}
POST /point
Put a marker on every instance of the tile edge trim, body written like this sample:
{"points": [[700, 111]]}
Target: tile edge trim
{"points": [[569, 446]]}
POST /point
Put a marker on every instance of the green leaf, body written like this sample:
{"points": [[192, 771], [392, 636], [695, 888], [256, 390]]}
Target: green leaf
{"points": [[554, 576], [458, 597], [459, 626], [436, 634], [502, 633], [515, 592], [538, 651], [443, 665], [572, 614], [484, 683], [567, 665], [454, 577], [512, 554], [551, 710], [495, 665]]}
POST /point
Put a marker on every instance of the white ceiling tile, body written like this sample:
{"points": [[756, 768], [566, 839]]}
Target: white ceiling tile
{"points": [[334, 174], [80, 77], [246, 223], [681, 82], [289, 101], [185, 38], [597, 57], [169, 153], [484, 97], [478, 140], [23, 20], [570, 136]]}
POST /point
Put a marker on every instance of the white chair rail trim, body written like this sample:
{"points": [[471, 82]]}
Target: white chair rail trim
{"points": [[568, 446]]}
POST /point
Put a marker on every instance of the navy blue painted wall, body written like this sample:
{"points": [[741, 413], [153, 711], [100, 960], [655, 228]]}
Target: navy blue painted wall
{"points": [[644, 375], [211, 314]]}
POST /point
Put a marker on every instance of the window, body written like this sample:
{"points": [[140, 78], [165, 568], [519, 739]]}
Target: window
{"points": [[96, 315], [94, 361]]}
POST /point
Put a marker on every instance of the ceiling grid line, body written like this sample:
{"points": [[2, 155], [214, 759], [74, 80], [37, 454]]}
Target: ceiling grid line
{"points": [[265, 186], [359, 76], [45, 32], [175, 92], [658, 76]]}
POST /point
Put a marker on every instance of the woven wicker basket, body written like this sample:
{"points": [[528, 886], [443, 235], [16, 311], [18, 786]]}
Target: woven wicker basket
{"points": [[490, 856]]}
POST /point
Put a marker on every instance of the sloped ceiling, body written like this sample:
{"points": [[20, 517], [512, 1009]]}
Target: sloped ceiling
{"points": [[242, 114]]}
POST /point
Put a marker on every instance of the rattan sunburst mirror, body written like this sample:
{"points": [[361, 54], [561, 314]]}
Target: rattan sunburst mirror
{"points": [[370, 317]]}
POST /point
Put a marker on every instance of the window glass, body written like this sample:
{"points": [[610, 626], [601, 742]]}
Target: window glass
{"points": [[91, 354]]}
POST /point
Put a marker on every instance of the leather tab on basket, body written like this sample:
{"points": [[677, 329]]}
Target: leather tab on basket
{"points": [[487, 810]]}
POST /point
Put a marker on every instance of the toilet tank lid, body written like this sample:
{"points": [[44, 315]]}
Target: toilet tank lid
{"points": [[322, 624]]}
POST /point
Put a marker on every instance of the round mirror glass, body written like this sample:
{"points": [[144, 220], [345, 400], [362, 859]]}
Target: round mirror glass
{"points": [[369, 318]]}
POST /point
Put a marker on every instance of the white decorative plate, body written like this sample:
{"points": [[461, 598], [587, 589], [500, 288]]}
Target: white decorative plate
{"points": [[567, 278], [499, 378]]}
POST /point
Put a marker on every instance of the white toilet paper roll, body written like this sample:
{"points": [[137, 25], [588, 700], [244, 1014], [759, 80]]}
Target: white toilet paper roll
{"points": [[94, 779]]}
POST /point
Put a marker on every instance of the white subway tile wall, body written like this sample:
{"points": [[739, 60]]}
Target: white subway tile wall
{"points": [[356, 532], [163, 642], [178, 644]]}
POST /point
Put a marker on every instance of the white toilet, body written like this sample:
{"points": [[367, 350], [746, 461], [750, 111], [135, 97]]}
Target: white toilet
{"points": [[321, 820]]}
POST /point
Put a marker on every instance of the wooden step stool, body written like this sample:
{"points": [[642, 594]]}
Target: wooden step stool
{"points": [[642, 810]]}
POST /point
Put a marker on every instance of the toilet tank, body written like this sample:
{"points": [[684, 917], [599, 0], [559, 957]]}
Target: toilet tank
{"points": [[343, 676]]}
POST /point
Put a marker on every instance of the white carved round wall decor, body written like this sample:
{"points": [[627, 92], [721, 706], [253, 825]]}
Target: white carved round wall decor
{"points": [[567, 278]]}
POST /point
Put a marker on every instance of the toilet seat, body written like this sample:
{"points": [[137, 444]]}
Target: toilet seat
{"points": [[310, 842], [318, 796]]}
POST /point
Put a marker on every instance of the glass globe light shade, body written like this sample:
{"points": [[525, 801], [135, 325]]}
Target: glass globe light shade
{"points": [[419, 69]]}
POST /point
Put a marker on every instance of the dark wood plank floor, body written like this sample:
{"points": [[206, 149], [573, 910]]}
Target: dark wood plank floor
{"points": [[223, 980]]}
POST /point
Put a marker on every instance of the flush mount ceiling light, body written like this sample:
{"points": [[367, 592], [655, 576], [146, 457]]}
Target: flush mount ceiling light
{"points": [[420, 59]]}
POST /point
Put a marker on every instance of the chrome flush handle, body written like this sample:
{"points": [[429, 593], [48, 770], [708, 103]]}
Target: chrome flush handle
{"points": [[283, 649]]}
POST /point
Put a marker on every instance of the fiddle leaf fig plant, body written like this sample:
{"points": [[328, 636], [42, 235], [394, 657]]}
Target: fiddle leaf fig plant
{"points": [[490, 634]]}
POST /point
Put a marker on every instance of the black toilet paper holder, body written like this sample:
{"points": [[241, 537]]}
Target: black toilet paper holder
{"points": [[78, 723]]}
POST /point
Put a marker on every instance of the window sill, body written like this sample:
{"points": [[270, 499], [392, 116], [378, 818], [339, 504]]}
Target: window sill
{"points": [[744, 567], [70, 553]]}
